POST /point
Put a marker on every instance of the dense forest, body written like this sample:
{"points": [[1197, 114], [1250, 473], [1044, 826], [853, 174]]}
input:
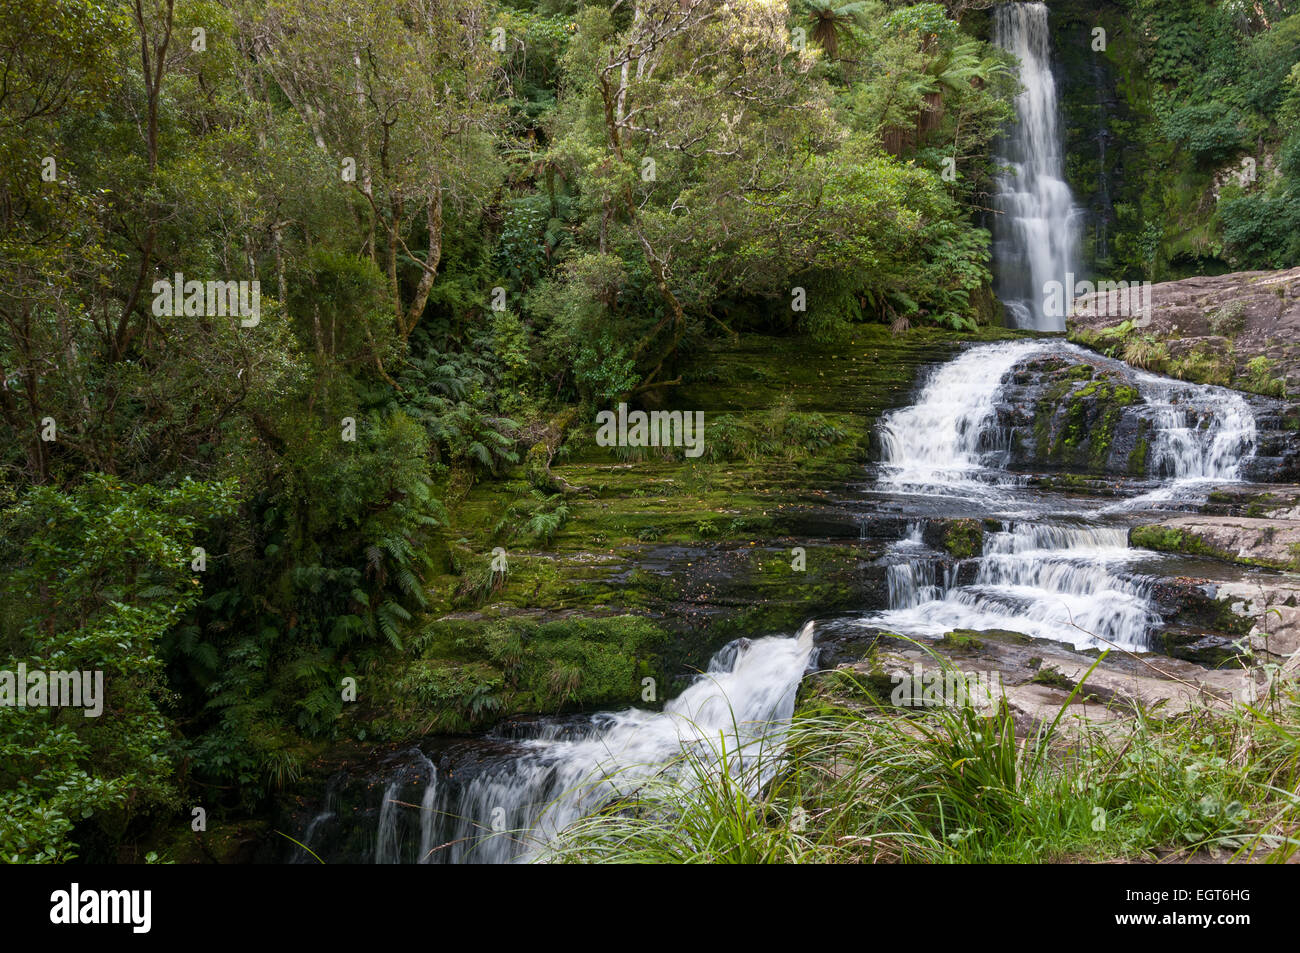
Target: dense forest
{"points": [[308, 311]]}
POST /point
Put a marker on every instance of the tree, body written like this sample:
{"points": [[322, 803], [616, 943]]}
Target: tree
{"points": [[831, 23], [96, 579], [401, 96]]}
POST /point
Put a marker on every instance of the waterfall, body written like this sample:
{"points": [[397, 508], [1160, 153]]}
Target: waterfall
{"points": [[946, 438], [386, 846], [1201, 433], [1034, 240], [949, 440], [1201, 437], [1071, 577], [1066, 583], [510, 806]]}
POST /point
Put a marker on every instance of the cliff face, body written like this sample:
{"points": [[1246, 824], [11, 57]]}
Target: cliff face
{"points": [[1149, 158], [1239, 330]]}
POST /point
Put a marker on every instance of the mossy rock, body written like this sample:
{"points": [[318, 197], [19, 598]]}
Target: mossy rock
{"points": [[997, 635], [960, 639], [1053, 679], [959, 538]]}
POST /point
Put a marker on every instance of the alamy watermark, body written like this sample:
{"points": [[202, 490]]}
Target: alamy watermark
{"points": [[659, 428], [34, 688], [1117, 298], [211, 299], [132, 908]]}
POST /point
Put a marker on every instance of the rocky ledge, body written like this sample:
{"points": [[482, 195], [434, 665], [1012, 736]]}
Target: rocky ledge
{"points": [[1036, 677], [1240, 330], [1264, 597], [1087, 416]]}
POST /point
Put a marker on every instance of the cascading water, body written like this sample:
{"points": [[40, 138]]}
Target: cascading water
{"points": [[730, 719], [1034, 230], [1070, 577], [945, 439], [1202, 436], [911, 581], [1046, 568], [1063, 583], [1201, 433]]}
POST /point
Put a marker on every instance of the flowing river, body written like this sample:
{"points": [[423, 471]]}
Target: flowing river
{"points": [[1051, 566]]}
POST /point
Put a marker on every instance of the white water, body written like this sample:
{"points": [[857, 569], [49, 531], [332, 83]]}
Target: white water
{"points": [[947, 438], [1034, 232], [1202, 436], [511, 810], [1070, 580], [1054, 582], [1067, 575]]}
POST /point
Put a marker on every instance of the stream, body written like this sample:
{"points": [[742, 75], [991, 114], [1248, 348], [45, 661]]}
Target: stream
{"points": [[1052, 566]]}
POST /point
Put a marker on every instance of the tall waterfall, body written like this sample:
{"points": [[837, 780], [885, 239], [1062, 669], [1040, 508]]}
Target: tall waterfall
{"points": [[1034, 234]]}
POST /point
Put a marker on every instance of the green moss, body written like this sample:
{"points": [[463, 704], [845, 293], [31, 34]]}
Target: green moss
{"points": [[1080, 372], [1004, 635], [961, 639], [1139, 458], [1052, 678], [1158, 538], [1082, 435], [964, 539], [1168, 540], [1204, 365]]}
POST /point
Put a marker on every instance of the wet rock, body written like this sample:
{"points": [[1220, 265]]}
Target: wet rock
{"points": [[847, 642], [1272, 607], [1086, 419], [1243, 499], [1204, 648], [1066, 414], [1271, 543], [959, 538], [1195, 605], [1037, 676]]}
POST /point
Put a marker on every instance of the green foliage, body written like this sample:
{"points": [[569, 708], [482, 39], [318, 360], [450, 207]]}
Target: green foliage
{"points": [[1202, 86], [781, 433], [469, 673], [851, 782], [378, 227], [1146, 352], [1263, 228], [1262, 377], [95, 579], [539, 516], [1208, 131]]}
